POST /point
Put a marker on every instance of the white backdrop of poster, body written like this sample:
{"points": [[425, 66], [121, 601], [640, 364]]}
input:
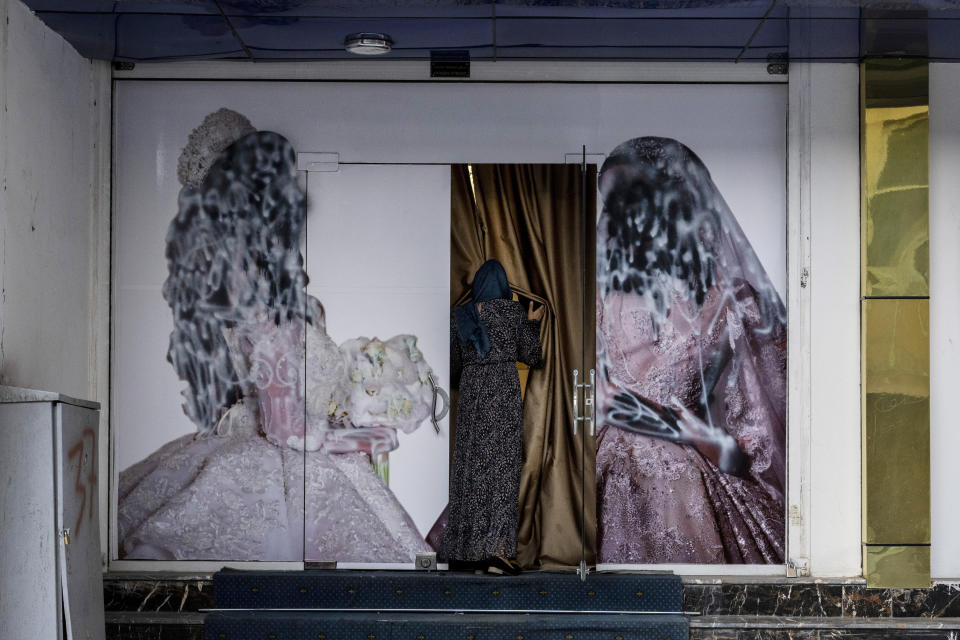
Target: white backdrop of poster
{"points": [[738, 131], [378, 256]]}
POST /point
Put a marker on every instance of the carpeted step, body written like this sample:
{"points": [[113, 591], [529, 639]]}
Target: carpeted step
{"points": [[390, 590], [306, 625]]}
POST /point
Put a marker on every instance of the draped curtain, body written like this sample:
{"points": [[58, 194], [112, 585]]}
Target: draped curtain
{"points": [[530, 218]]}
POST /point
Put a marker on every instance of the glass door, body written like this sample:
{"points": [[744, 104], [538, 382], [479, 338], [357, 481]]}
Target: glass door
{"points": [[392, 251], [208, 350], [377, 253], [534, 220], [585, 419]]}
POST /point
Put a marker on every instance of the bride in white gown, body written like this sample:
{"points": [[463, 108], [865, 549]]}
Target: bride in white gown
{"points": [[287, 422]]}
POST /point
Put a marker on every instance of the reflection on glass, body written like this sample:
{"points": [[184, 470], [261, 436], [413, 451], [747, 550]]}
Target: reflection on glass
{"points": [[907, 567]]}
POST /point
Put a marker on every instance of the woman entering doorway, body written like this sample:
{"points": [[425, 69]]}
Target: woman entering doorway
{"points": [[488, 336]]}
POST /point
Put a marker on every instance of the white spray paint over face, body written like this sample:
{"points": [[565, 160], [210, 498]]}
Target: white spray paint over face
{"points": [[667, 242], [233, 256]]}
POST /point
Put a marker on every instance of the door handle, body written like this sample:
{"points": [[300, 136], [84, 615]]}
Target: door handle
{"points": [[576, 408], [591, 401], [438, 392]]}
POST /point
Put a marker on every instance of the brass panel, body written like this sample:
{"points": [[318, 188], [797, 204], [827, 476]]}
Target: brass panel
{"points": [[895, 82], [896, 421], [895, 228], [897, 567], [895, 333]]}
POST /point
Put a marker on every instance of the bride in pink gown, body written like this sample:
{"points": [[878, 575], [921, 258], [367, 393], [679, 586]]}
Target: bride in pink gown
{"points": [[691, 343], [288, 423]]}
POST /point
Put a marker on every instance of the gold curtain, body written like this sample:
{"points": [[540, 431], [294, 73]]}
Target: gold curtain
{"points": [[530, 218]]}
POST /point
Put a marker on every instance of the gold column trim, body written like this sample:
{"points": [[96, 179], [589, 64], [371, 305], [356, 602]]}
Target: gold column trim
{"points": [[895, 324], [901, 566], [895, 229]]}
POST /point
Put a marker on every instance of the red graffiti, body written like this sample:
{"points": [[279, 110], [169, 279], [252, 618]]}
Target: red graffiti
{"points": [[82, 484]]}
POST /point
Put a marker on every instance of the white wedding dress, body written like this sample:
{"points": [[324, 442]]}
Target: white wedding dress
{"points": [[287, 475]]}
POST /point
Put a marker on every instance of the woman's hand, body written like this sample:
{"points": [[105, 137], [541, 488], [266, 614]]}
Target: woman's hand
{"points": [[535, 314], [632, 412]]}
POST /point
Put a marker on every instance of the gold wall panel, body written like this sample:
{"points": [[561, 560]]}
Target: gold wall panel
{"points": [[905, 567], [895, 324], [896, 421], [895, 183]]}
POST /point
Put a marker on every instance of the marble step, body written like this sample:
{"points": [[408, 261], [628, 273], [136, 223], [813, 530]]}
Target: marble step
{"points": [[408, 625], [793, 597], [817, 628], [145, 625]]}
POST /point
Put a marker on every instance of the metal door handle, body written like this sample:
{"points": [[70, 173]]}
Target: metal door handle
{"points": [[576, 408], [438, 392], [592, 401]]}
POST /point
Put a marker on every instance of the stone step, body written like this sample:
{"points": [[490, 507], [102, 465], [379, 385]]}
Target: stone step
{"points": [[145, 625], [352, 625], [817, 628]]}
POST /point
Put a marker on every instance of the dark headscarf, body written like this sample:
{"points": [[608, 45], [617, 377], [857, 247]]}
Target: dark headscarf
{"points": [[489, 283]]}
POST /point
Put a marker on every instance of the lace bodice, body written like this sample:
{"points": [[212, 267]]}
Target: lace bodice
{"points": [[659, 361]]}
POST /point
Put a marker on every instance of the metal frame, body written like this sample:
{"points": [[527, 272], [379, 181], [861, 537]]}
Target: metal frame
{"points": [[589, 72], [799, 165], [599, 72]]}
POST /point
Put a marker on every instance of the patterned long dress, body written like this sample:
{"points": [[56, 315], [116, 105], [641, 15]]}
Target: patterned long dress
{"points": [[488, 450]]}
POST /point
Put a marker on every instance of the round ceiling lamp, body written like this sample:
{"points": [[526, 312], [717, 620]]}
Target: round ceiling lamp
{"points": [[368, 44]]}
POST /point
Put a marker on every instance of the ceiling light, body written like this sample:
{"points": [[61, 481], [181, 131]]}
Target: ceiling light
{"points": [[368, 44]]}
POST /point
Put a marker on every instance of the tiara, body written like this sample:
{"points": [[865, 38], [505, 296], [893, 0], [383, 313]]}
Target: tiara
{"points": [[218, 131]]}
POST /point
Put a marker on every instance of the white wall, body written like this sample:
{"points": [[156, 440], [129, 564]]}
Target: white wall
{"points": [[944, 319], [50, 170], [823, 470], [54, 210]]}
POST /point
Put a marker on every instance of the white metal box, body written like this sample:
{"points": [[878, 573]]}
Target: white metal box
{"points": [[51, 584]]}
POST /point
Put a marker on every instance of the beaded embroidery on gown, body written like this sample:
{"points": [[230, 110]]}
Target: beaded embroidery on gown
{"points": [[691, 343]]}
